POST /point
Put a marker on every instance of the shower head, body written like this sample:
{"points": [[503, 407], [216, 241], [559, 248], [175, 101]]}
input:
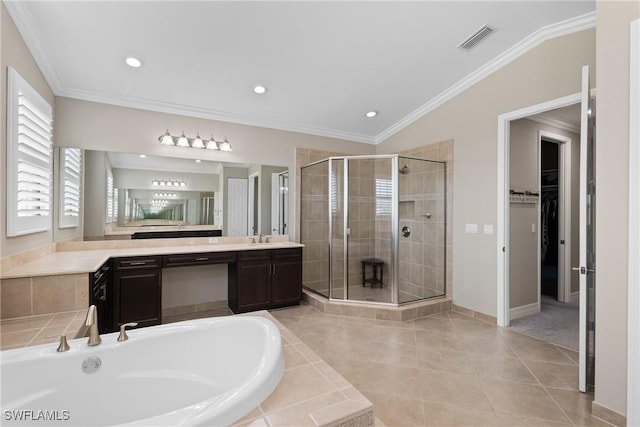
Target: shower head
{"points": [[404, 170]]}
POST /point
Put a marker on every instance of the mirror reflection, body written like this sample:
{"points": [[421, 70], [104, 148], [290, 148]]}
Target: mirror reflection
{"points": [[130, 194]]}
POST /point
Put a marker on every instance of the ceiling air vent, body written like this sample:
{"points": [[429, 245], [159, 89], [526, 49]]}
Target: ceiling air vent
{"points": [[476, 37]]}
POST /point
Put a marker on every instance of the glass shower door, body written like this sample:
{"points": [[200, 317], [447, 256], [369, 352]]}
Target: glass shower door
{"points": [[369, 243]]}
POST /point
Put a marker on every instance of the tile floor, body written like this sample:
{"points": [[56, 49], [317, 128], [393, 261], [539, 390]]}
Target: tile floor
{"points": [[447, 370]]}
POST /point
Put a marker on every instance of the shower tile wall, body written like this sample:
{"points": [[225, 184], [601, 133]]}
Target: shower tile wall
{"points": [[421, 184]]}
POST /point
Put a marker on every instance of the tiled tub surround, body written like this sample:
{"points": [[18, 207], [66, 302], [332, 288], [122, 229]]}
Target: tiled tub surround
{"points": [[24, 332], [56, 280], [311, 393]]}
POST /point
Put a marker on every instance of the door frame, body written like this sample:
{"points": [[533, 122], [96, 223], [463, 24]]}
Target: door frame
{"points": [[254, 223], [564, 212], [502, 225], [633, 311]]}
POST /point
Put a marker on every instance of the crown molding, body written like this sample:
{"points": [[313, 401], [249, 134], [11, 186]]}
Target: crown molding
{"points": [[209, 114], [549, 32], [17, 10], [549, 120]]}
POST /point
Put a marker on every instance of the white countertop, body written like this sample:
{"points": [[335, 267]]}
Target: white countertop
{"points": [[89, 260]]}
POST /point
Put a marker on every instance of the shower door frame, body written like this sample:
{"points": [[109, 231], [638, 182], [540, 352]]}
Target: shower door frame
{"points": [[345, 231]]}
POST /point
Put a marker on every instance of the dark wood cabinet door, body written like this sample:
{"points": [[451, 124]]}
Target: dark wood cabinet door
{"points": [[139, 294], [286, 282], [253, 285]]}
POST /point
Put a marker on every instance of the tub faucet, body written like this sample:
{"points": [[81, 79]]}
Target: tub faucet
{"points": [[92, 323]]}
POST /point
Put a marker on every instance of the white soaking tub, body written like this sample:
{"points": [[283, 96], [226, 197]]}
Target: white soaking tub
{"points": [[202, 372]]}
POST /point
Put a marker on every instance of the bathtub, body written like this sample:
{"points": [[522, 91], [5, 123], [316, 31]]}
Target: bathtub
{"points": [[202, 372]]}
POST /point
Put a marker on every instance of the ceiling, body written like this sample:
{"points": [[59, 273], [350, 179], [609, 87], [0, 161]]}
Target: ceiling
{"points": [[325, 63]]}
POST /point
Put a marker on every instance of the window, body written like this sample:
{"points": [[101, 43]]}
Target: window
{"points": [[383, 196], [29, 158], [110, 202], [70, 182]]}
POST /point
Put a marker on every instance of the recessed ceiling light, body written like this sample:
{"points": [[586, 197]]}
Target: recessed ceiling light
{"points": [[259, 89], [142, 156], [371, 114], [198, 160], [133, 62]]}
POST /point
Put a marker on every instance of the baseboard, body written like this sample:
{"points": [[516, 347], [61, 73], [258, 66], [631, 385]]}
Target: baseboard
{"points": [[475, 314], [524, 310], [608, 415]]}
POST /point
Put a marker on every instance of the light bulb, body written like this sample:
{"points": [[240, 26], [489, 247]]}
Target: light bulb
{"points": [[225, 146], [197, 143], [166, 139], [183, 141], [212, 144]]}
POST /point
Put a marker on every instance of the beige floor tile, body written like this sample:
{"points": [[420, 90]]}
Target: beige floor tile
{"points": [[50, 330], [433, 323], [391, 380], [522, 399], [484, 344], [433, 339], [13, 339], [297, 385], [393, 354], [455, 315], [24, 324], [558, 375], [62, 319], [573, 355], [292, 357], [351, 370], [577, 406], [390, 334], [502, 368], [539, 350], [442, 359], [454, 389], [506, 420], [441, 415], [474, 327], [349, 348], [397, 411]]}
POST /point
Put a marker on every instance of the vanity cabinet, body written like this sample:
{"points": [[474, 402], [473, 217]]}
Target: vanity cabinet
{"points": [[101, 295], [137, 291], [265, 279]]}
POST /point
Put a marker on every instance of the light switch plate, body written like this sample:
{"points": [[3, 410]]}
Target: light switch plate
{"points": [[471, 228], [488, 229]]}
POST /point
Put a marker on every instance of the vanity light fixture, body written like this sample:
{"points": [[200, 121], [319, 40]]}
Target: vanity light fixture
{"points": [[164, 194], [197, 142], [168, 183], [371, 114], [133, 62], [198, 161], [143, 156]]}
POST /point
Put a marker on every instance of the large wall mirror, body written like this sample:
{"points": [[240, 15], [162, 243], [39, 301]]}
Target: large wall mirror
{"points": [[127, 193]]}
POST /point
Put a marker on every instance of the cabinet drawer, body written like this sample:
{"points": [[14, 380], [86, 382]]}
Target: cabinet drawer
{"points": [[182, 260], [254, 255], [287, 253], [138, 262]]}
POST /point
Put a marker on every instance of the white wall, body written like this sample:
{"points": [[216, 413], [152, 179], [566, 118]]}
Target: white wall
{"points": [[549, 71], [194, 285], [612, 174]]}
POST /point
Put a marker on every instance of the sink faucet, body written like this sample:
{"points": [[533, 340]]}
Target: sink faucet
{"points": [[92, 322], [260, 238]]}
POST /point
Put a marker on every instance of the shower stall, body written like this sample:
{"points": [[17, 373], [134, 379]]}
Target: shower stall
{"points": [[374, 228]]}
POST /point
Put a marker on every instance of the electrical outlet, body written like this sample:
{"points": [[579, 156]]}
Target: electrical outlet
{"points": [[213, 240]]}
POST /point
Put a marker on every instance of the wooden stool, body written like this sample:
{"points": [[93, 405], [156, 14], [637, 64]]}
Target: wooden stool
{"points": [[375, 263]]}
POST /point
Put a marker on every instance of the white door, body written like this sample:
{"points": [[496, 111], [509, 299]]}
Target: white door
{"points": [[587, 238], [237, 209]]}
